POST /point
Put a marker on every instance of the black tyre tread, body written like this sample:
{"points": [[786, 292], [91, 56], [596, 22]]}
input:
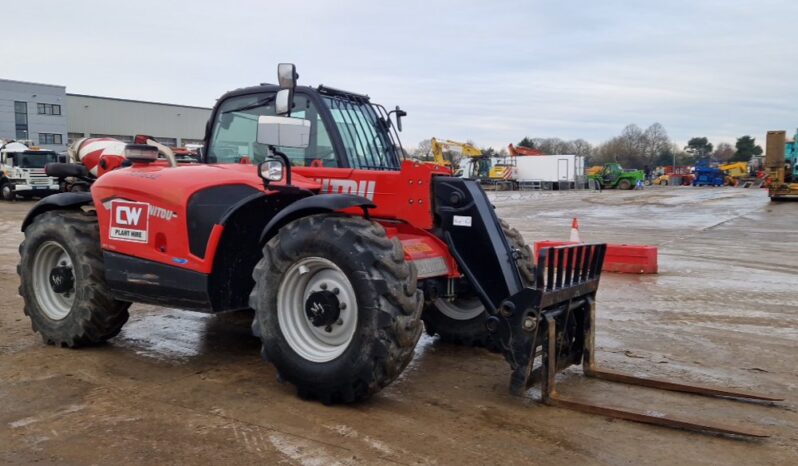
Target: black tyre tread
{"points": [[98, 316], [395, 281], [525, 259], [473, 332], [10, 197]]}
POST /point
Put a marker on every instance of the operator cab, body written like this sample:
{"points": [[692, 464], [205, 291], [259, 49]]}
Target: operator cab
{"points": [[28, 158], [347, 130]]}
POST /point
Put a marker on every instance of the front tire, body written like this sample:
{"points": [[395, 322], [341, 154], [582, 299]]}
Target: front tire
{"points": [[336, 307], [625, 185], [462, 321], [7, 191], [62, 281]]}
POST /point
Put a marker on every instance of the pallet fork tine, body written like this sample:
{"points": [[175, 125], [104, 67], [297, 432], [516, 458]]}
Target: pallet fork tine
{"points": [[550, 396], [590, 369]]}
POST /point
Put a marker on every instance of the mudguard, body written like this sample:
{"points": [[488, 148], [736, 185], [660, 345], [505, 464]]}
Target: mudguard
{"points": [[55, 202], [317, 204]]}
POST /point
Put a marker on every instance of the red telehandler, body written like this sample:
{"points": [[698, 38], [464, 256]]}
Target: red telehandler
{"points": [[304, 211]]}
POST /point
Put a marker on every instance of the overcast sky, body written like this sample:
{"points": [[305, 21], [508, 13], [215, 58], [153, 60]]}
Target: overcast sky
{"points": [[488, 71]]}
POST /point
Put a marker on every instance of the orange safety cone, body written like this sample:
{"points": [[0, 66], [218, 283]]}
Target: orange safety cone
{"points": [[575, 231]]}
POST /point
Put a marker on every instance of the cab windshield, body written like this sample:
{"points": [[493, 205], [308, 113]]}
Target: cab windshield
{"points": [[363, 127], [236, 126], [34, 159]]}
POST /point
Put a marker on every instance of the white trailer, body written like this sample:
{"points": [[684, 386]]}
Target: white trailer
{"points": [[550, 171]]}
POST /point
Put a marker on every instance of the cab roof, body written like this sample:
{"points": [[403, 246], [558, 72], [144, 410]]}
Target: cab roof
{"points": [[321, 89]]}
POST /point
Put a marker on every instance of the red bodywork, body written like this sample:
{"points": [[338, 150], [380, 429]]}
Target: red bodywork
{"points": [[620, 258], [521, 151], [142, 209]]}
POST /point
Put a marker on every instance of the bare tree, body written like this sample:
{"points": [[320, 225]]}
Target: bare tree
{"points": [[581, 147], [635, 148], [424, 150], [655, 142], [723, 152]]}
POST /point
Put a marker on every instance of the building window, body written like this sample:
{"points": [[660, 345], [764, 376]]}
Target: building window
{"points": [[48, 109], [126, 139], [50, 138], [21, 119], [72, 137], [168, 142]]}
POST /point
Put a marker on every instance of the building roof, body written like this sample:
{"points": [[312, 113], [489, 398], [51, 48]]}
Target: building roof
{"points": [[33, 83], [137, 101]]}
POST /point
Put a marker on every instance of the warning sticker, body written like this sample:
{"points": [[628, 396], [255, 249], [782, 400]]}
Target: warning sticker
{"points": [[461, 221], [129, 221]]}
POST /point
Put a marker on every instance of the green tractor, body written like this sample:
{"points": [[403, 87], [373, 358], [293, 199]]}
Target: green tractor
{"points": [[613, 176]]}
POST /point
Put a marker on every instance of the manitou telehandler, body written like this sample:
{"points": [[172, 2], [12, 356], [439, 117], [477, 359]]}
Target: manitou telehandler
{"points": [[304, 211]]}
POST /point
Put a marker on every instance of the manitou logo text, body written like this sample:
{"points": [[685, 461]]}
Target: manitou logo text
{"points": [[361, 188], [163, 214], [129, 221]]}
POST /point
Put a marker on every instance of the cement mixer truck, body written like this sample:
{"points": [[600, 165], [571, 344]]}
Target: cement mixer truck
{"points": [[22, 171], [90, 158]]}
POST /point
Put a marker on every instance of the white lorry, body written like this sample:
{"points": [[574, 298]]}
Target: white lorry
{"points": [[22, 171], [550, 171]]}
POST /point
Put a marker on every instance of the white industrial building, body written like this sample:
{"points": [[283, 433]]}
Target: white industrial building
{"points": [[51, 118], [35, 112], [172, 125]]}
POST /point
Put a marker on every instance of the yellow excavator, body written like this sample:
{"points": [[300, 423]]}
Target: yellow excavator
{"points": [[479, 164], [733, 172], [437, 148], [498, 176]]}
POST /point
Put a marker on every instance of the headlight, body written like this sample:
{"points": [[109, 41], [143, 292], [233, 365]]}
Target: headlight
{"points": [[271, 170]]}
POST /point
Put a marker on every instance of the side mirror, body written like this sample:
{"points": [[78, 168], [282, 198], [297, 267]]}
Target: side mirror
{"points": [[283, 131], [399, 114], [283, 102], [286, 75]]}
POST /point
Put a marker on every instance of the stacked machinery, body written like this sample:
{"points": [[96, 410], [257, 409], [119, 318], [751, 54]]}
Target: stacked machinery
{"points": [[708, 174], [781, 164]]}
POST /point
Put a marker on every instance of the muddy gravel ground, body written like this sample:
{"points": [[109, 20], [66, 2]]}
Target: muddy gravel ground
{"points": [[181, 387]]}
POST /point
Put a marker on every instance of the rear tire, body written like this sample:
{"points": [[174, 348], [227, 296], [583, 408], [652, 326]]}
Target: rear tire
{"points": [[468, 328], [354, 256], [62, 281]]}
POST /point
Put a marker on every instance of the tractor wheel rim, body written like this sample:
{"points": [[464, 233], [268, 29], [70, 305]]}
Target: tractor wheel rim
{"points": [[460, 308], [311, 276], [49, 257]]}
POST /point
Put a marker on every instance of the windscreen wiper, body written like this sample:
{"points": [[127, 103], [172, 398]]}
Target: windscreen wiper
{"points": [[256, 104]]}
